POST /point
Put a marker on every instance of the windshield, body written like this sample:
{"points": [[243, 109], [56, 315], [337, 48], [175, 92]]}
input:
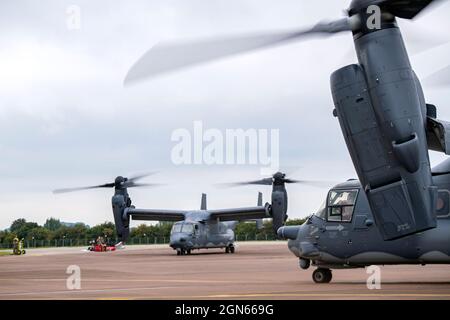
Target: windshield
{"points": [[341, 204], [187, 228], [322, 212], [176, 228]]}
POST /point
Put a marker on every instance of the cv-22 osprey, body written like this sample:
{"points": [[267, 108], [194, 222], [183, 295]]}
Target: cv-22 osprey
{"points": [[193, 229], [342, 234]]}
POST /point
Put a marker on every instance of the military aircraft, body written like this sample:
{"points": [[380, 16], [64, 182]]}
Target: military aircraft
{"points": [[342, 234], [388, 128], [193, 229]]}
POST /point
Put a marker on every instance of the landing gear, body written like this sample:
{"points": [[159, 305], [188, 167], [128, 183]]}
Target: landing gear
{"points": [[182, 252], [322, 275], [229, 249]]}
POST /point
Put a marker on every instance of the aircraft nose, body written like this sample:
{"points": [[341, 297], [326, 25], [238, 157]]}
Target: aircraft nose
{"points": [[178, 240]]}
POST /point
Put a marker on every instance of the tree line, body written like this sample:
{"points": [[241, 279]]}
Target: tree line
{"points": [[54, 229]]}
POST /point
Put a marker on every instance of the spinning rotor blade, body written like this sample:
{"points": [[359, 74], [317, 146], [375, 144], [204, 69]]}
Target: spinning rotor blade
{"points": [[172, 56], [136, 185], [269, 182], [65, 190], [440, 78], [141, 176], [120, 182], [313, 183], [265, 182], [406, 9]]}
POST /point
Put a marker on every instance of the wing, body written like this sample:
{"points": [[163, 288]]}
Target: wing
{"points": [[156, 214], [239, 214]]}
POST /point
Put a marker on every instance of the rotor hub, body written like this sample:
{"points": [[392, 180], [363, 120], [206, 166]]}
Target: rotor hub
{"points": [[118, 181], [356, 6]]}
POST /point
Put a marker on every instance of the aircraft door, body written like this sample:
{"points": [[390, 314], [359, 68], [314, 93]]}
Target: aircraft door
{"points": [[196, 231]]}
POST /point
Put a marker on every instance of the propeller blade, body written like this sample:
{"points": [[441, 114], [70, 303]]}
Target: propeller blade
{"points": [[440, 78], [65, 190], [139, 185], [266, 182], [313, 183], [406, 9], [141, 176], [173, 56]]}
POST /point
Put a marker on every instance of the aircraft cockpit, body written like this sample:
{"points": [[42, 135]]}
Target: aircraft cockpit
{"points": [[338, 206], [183, 227]]}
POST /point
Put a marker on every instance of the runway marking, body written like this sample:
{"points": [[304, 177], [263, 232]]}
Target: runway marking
{"points": [[228, 296], [299, 295], [79, 291], [328, 295], [140, 280]]}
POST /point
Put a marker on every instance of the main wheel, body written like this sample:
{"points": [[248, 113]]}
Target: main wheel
{"points": [[188, 251], [227, 250], [322, 275], [23, 251], [232, 249]]}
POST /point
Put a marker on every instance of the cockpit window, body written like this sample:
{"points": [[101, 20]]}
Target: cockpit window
{"points": [[187, 228], [322, 211], [176, 228], [341, 204]]}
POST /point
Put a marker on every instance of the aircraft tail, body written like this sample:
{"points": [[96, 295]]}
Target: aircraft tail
{"points": [[203, 206], [259, 222]]}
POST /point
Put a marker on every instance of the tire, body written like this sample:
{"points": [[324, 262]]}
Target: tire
{"points": [[23, 251], [322, 275], [227, 250], [232, 249], [188, 251], [178, 252]]}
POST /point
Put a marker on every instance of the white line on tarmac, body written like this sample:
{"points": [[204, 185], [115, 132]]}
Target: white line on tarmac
{"points": [[79, 291]]}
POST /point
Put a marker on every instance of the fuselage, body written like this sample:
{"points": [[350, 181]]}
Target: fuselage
{"points": [[202, 234], [353, 240]]}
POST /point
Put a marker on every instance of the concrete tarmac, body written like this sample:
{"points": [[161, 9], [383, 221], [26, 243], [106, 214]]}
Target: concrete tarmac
{"points": [[262, 270]]}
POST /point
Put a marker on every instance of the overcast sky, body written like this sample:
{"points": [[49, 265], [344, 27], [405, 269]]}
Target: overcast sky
{"points": [[66, 119]]}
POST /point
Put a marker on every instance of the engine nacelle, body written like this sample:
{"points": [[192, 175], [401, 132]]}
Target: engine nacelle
{"points": [[394, 172], [121, 220], [278, 209]]}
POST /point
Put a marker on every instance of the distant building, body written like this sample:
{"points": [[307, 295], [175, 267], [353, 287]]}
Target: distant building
{"points": [[72, 224]]}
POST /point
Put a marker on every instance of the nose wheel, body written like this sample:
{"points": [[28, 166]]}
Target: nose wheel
{"points": [[322, 275], [182, 252], [229, 249]]}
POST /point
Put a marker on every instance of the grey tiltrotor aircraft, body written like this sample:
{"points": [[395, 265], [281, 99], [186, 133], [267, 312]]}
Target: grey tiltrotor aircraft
{"points": [[193, 229], [391, 215]]}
